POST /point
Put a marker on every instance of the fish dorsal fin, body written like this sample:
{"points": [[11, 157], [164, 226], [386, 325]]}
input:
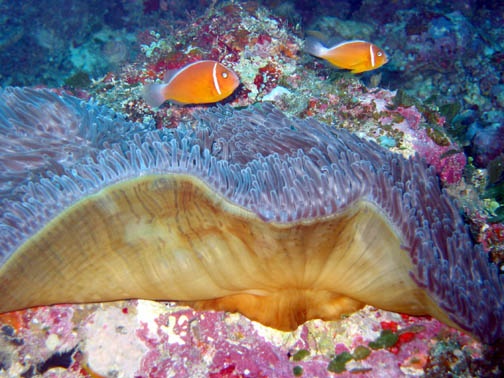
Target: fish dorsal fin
{"points": [[346, 43], [170, 74]]}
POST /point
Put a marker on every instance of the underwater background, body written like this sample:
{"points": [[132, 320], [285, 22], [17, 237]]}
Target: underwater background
{"points": [[441, 95]]}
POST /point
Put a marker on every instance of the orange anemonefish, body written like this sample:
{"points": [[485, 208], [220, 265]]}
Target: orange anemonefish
{"points": [[357, 56], [200, 82]]}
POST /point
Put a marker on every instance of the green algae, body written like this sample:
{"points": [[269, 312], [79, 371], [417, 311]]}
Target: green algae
{"points": [[403, 99], [78, 80], [361, 352], [499, 214], [337, 364], [300, 355], [495, 170], [386, 339], [297, 371], [449, 111], [438, 136]]}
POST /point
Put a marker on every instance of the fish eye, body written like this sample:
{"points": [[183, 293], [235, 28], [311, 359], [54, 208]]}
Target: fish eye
{"points": [[225, 75], [379, 53]]}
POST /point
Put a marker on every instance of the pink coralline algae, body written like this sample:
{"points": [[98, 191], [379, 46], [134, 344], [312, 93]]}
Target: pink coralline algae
{"points": [[157, 340], [448, 159]]}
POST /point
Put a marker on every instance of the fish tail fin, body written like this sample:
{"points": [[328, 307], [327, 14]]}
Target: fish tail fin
{"points": [[153, 94], [314, 47]]}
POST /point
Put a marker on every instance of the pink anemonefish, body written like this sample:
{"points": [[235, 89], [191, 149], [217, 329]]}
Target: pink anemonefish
{"points": [[357, 56], [200, 82]]}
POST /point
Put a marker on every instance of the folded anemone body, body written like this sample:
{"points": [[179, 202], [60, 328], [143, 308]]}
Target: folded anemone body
{"points": [[281, 219]]}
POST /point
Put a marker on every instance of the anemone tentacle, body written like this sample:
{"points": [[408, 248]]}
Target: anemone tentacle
{"points": [[55, 150]]}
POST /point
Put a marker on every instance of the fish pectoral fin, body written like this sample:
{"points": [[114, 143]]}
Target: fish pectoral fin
{"points": [[358, 70], [358, 67]]}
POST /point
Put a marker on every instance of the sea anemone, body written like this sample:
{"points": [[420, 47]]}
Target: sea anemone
{"points": [[278, 218]]}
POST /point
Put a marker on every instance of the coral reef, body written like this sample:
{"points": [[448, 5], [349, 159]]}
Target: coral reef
{"points": [[149, 339], [440, 96]]}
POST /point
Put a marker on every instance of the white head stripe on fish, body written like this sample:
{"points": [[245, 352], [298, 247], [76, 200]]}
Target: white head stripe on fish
{"points": [[215, 81], [371, 52]]}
